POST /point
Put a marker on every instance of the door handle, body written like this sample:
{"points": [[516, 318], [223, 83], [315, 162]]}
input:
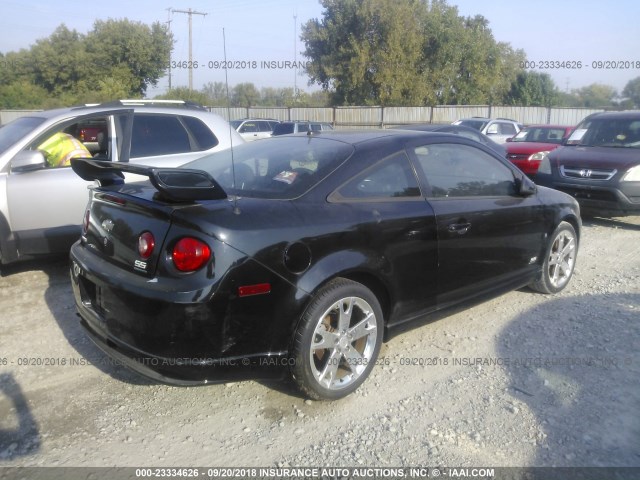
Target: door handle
{"points": [[459, 228]]}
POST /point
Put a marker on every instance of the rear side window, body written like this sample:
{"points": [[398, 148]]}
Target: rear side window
{"points": [[264, 126], [392, 178], [507, 129], [158, 135], [283, 129], [204, 137]]}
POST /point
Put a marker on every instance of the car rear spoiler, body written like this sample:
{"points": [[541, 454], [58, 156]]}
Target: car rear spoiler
{"points": [[176, 184]]}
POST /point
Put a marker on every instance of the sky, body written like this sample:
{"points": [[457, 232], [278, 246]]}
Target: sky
{"points": [[266, 31]]}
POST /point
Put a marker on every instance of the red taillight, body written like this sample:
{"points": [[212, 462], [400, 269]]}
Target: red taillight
{"points": [[146, 244], [85, 222], [190, 254]]}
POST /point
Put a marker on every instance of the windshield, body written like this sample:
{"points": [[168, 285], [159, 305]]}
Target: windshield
{"points": [[16, 130], [607, 132], [235, 123], [476, 124], [282, 168], [540, 135]]}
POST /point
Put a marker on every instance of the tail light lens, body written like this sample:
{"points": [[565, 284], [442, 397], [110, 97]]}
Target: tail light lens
{"points": [[146, 244], [190, 254]]}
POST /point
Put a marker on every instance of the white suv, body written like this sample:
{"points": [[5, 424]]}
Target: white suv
{"points": [[497, 129], [41, 207]]}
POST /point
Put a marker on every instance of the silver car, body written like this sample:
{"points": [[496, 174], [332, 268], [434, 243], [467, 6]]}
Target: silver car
{"points": [[497, 129], [41, 207]]}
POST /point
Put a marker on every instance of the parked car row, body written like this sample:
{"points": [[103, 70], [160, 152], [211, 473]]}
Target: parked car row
{"points": [[259, 128]]}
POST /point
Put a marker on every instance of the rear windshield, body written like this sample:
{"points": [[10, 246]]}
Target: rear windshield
{"points": [[283, 128], [607, 132], [282, 168], [475, 124], [17, 130]]}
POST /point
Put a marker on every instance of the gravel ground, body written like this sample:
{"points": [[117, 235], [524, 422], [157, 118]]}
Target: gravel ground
{"points": [[521, 380]]}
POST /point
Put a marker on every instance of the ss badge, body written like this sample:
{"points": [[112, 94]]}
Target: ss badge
{"points": [[140, 265]]}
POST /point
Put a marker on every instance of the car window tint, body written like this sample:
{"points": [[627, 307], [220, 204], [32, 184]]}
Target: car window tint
{"points": [[390, 178], [493, 129], [158, 135], [283, 129], [264, 126], [282, 168], [16, 130], [507, 129], [454, 170], [249, 127], [201, 133], [303, 127]]}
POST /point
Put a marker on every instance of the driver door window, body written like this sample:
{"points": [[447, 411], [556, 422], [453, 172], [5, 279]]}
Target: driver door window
{"points": [[455, 170]]}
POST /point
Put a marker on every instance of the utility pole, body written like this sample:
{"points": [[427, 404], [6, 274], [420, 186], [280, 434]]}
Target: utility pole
{"points": [[169, 28], [295, 57], [190, 65]]}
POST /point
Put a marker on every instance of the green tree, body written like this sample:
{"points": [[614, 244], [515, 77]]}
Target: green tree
{"points": [[596, 95], [406, 52], [631, 91], [141, 50], [216, 93], [245, 95], [532, 89], [60, 62], [23, 95], [117, 59], [184, 93], [366, 51]]}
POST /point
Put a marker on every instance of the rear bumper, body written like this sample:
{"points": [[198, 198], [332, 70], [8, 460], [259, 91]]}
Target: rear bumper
{"points": [[186, 371], [163, 333]]}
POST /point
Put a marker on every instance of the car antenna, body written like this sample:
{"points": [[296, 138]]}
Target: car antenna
{"points": [[236, 210]]}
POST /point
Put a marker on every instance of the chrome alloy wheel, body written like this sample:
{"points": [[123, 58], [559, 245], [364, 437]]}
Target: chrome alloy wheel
{"points": [[343, 343], [562, 257]]}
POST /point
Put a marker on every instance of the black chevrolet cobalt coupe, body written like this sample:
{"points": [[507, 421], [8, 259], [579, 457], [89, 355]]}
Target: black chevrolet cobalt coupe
{"points": [[300, 254]]}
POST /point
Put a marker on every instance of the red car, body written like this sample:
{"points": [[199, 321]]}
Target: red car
{"points": [[527, 149]]}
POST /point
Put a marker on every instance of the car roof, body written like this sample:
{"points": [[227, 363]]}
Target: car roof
{"points": [[434, 127], [97, 109], [355, 137], [548, 126], [625, 114]]}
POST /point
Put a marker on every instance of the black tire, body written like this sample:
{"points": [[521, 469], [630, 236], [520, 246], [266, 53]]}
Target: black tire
{"points": [[344, 354], [559, 262]]}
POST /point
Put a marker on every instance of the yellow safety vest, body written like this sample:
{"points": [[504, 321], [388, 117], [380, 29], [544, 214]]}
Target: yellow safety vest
{"points": [[60, 148]]}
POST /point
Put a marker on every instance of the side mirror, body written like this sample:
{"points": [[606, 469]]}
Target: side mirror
{"points": [[28, 161], [526, 187], [510, 139]]}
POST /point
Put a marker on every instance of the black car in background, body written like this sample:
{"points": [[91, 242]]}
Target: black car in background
{"points": [[299, 254], [461, 130], [599, 165]]}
